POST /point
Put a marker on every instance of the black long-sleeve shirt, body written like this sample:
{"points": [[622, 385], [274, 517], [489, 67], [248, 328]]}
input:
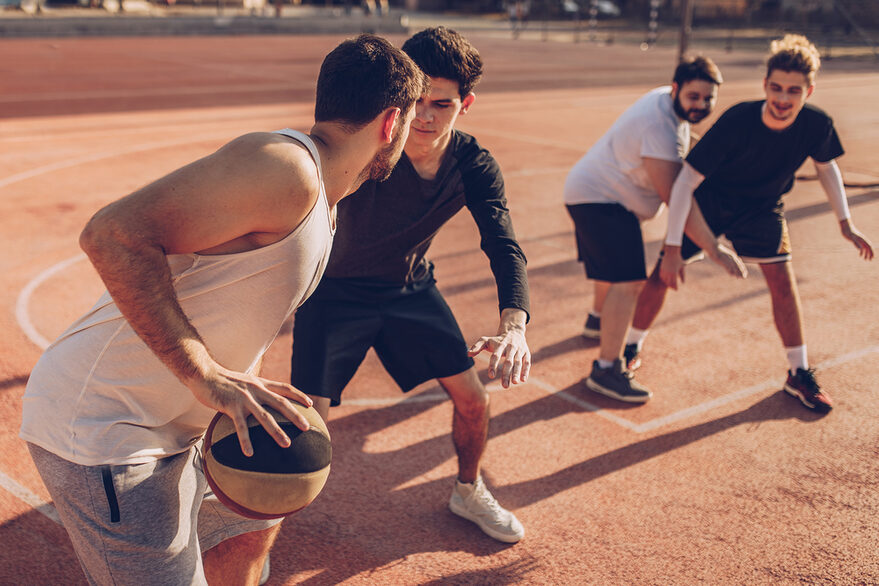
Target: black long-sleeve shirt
{"points": [[385, 229]]}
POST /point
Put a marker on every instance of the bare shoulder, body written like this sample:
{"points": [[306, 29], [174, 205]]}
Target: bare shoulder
{"points": [[277, 154], [278, 168]]}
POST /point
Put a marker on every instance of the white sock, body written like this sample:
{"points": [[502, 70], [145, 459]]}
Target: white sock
{"points": [[636, 336], [605, 363], [595, 314], [796, 356]]}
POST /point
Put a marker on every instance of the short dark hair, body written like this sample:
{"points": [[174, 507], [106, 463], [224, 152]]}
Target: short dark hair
{"points": [[363, 77], [691, 68], [794, 53], [442, 52]]}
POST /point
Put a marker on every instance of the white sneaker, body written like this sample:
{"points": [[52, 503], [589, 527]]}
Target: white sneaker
{"points": [[475, 503]]}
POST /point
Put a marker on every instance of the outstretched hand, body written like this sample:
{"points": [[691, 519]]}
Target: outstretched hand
{"points": [[239, 395], [865, 248], [509, 354], [730, 261], [672, 267]]}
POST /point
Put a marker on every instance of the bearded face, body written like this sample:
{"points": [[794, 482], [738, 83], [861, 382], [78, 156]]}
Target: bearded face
{"points": [[694, 100], [386, 159]]}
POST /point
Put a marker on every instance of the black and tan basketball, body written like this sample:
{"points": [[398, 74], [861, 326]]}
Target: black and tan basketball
{"points": [[275, 481]]}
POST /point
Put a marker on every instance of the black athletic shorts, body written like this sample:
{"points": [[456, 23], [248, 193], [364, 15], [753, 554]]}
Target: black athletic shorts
{"points": [[756, 229], [609, 242], [412, 330]]}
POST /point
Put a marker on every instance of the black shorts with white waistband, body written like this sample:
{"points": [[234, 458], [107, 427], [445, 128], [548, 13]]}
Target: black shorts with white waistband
{"points": [[609, 242], [756, 229], [411, 329]]}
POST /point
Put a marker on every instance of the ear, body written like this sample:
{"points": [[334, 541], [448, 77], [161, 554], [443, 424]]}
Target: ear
{"points": [[389, 122], [674, 90], [810, 90], [467, 102]]}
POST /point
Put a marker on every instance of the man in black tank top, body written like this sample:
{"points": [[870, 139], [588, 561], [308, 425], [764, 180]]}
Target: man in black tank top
{"points": [[738, 174], [379, 292]]}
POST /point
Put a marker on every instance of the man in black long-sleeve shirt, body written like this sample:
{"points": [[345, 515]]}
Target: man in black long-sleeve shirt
{"points": [[379, 291]]}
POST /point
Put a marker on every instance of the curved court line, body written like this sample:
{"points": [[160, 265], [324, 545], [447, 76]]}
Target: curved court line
{"points": [[22, 304]]}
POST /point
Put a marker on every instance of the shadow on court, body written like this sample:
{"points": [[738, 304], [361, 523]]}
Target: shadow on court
{"points": [[36, 550], [372, 518]]}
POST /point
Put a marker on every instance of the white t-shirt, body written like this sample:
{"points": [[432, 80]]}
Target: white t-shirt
{"points": [[612, 171]]}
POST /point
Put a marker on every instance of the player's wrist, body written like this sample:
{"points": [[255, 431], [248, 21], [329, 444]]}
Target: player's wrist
{"points": [[672, 250], [513, 319]]}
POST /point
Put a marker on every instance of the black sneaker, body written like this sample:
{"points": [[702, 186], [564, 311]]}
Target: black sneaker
{"points": [[804, 387], [592, 328], [617, 383], [632, 356]]}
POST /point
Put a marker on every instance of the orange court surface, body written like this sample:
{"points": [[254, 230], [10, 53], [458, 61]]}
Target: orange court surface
{"points": [[720, 479]]}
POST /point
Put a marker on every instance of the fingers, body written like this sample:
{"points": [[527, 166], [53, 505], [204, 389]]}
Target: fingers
{"points": [[526, 367], [243, 434], [669, 278], [278, 399], [865, 249], [478, 347], [268, 422]]}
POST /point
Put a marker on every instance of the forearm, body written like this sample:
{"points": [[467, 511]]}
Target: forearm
{"points": [[138, 278], [831, 181], [679, 205]]}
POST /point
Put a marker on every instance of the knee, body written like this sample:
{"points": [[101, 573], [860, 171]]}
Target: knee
{"points": [[472, 402], [627, 289]]}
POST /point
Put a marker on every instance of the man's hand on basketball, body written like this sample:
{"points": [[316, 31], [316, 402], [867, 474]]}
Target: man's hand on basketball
{"points": [[509, 350], [672, 266], [849, 232], [729, 260], [239, 395]]}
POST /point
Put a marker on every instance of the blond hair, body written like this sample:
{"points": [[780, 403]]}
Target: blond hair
{"points": [[794, 53]]}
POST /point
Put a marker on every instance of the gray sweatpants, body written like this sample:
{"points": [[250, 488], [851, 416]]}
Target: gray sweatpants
{"points": [[143, 523]]}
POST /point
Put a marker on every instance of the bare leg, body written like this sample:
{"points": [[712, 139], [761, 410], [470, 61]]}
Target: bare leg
{"points": [[469, 422], [600, 295], [786, 308], [650, 301], [239, 560], [322, 406], [616, 318]]}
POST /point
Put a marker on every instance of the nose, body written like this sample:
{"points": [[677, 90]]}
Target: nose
{"points": [[422, 112]]}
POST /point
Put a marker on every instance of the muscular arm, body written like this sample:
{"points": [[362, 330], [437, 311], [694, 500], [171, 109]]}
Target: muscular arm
{"points": [[208, 206]]}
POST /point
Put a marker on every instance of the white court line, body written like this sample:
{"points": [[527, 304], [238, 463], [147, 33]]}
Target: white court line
{"points": [[22, 304], [26, 496], [729, 398]]}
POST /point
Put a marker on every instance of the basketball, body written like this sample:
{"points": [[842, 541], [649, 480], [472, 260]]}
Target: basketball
{"points": [[275, 481]]}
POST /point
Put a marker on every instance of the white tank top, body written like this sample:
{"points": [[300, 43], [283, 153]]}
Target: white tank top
{"points": [[99, 395]]}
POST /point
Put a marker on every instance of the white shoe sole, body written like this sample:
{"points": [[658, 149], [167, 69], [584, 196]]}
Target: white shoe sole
{"points": [[614, 395], [506, 538], [591, 334]]}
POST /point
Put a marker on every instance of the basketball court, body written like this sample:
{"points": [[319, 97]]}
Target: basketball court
{"points": [[720, 478]]}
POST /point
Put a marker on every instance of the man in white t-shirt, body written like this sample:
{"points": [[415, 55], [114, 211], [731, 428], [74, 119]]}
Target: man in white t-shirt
{"points": [[623, 180]]}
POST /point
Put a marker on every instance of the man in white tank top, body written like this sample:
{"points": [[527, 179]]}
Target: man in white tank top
{"points": [[194, 264]]}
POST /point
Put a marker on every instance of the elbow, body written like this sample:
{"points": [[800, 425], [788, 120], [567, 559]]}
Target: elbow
{"points": [[102, 232], [90, 236]]}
